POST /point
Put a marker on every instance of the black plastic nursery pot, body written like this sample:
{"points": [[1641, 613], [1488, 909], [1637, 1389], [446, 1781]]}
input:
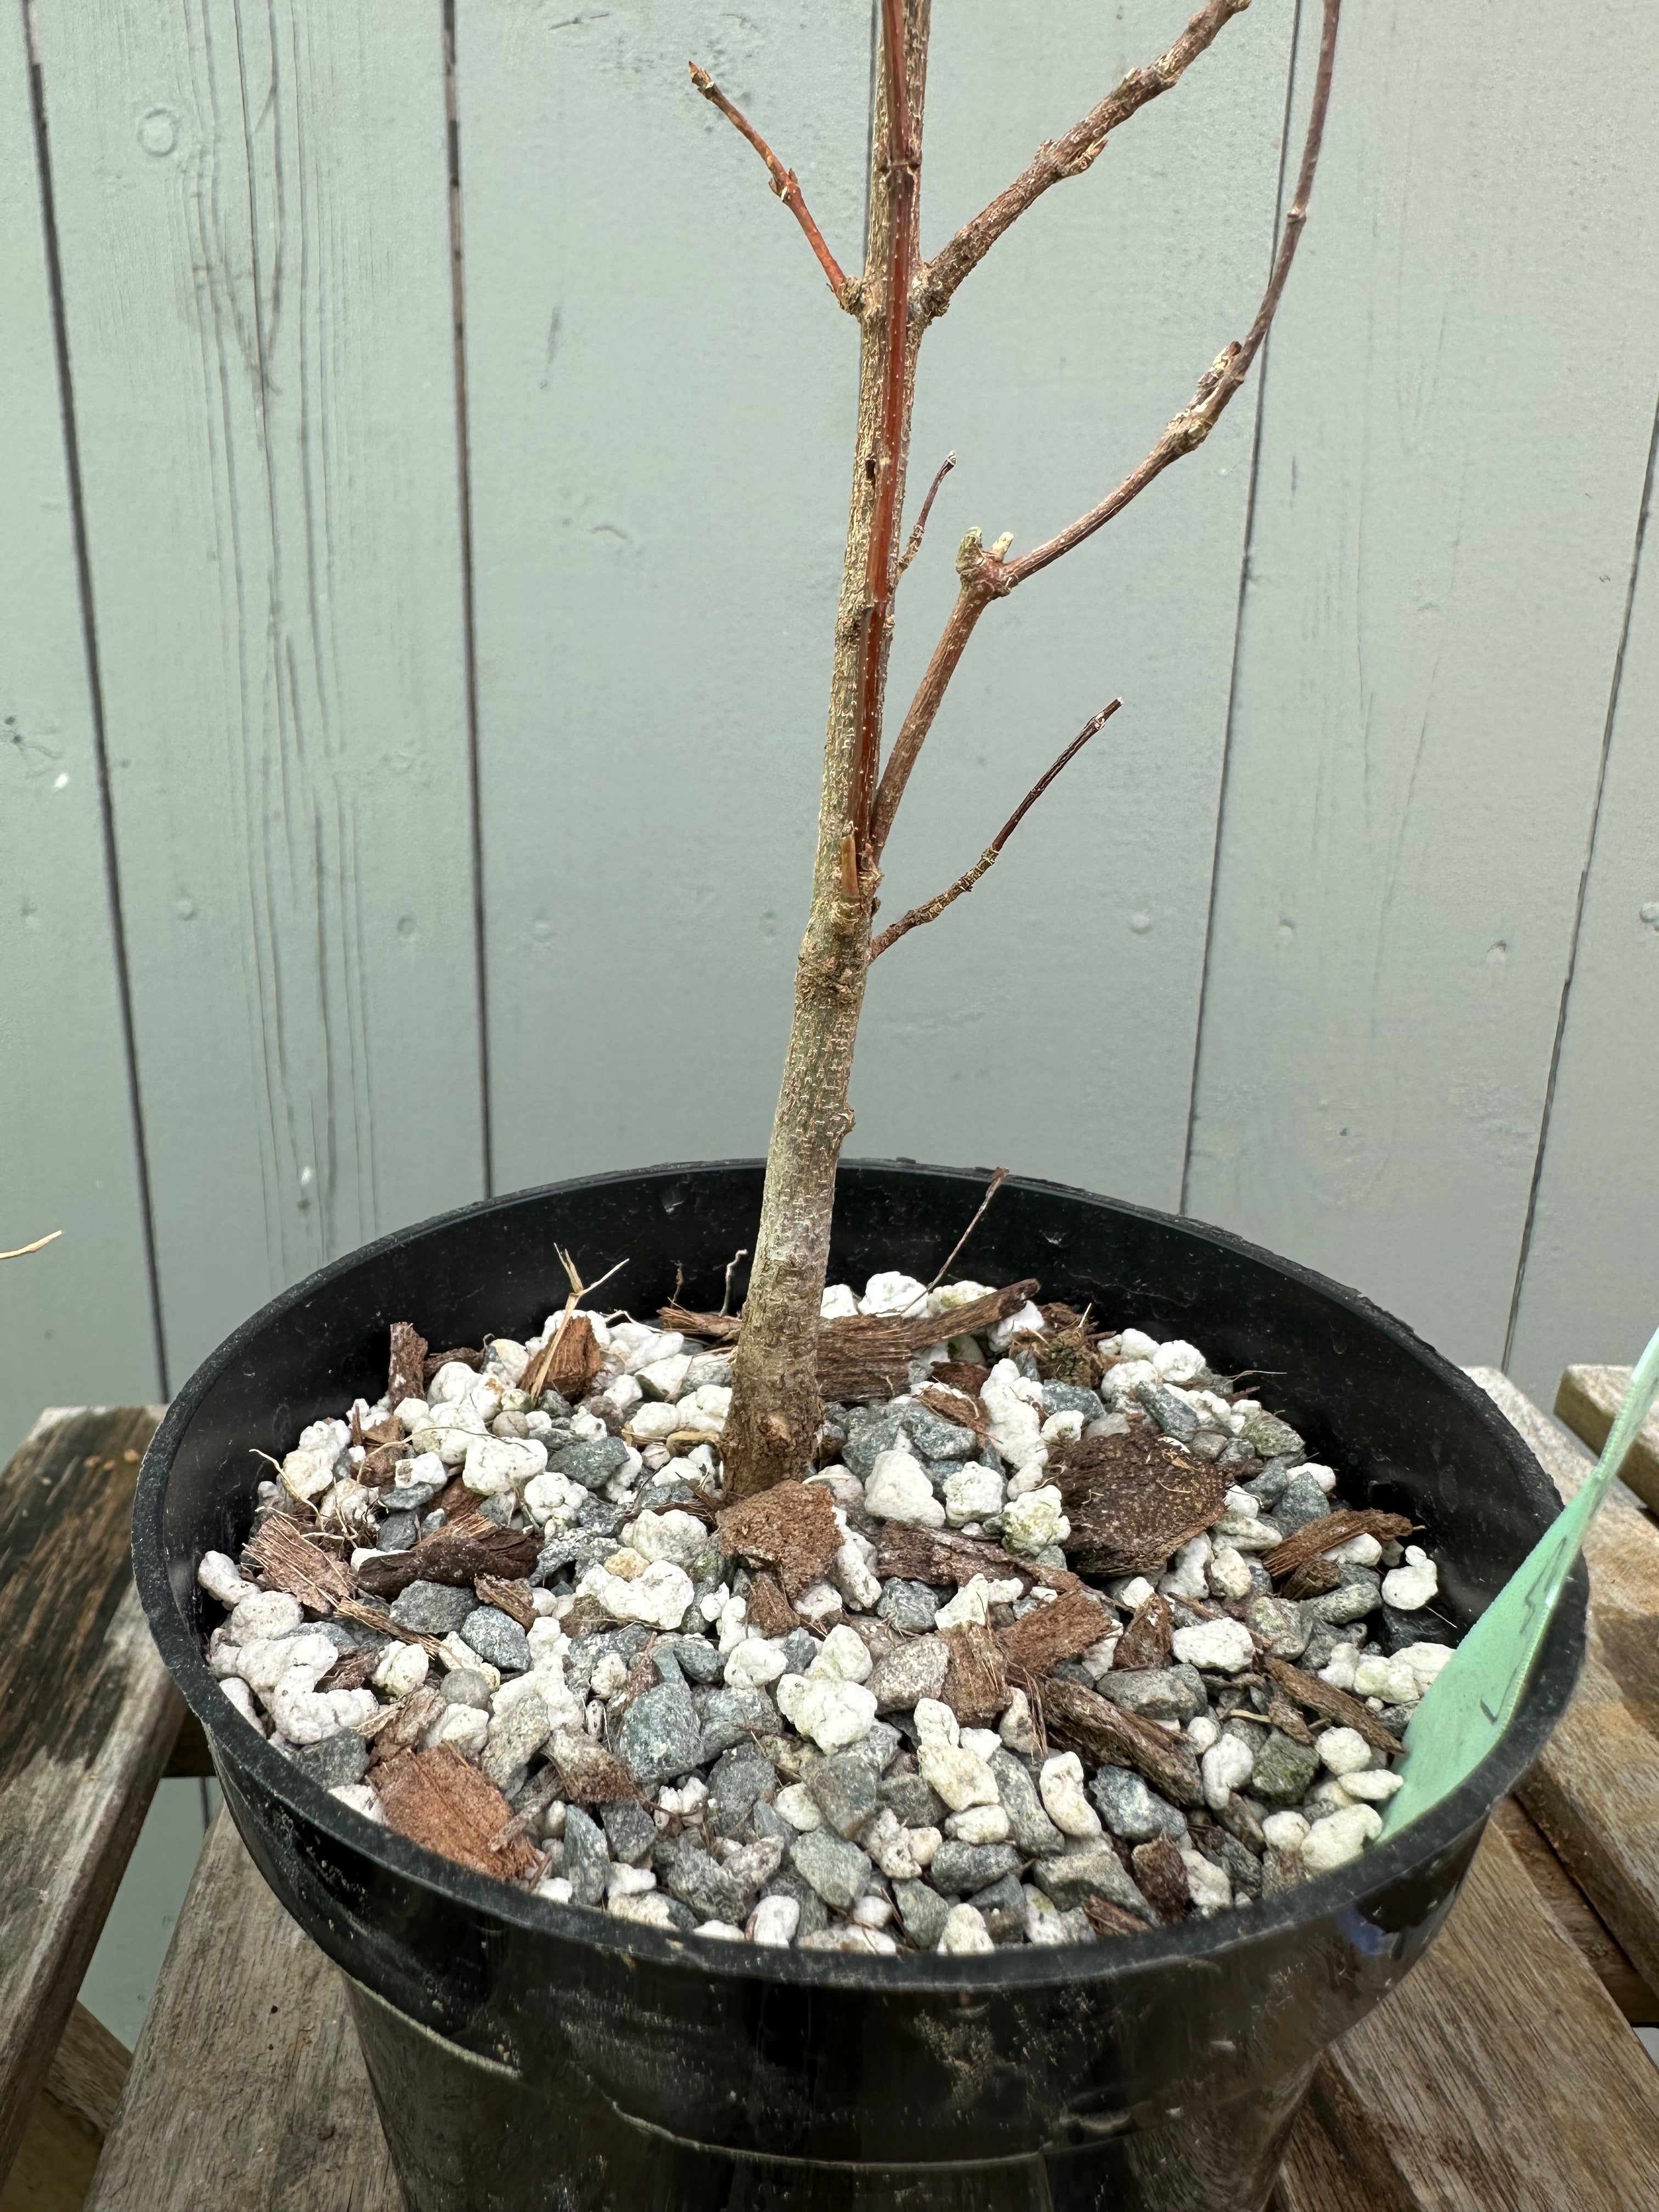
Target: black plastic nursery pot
{"points": [[532, 2057]]}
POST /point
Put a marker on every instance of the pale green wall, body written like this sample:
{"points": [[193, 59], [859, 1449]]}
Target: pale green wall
{"points": [[1346, 934]]}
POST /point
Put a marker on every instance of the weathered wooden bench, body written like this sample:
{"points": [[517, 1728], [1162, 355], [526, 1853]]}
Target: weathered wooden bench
{"points": [[1502, 2072]]}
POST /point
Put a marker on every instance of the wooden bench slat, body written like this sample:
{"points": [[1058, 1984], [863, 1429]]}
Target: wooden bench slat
{"points": [[1594, 1792], [1577, 1917], [87, 1713], [1588, 1400], [1498, 2073], [248, 2091]]}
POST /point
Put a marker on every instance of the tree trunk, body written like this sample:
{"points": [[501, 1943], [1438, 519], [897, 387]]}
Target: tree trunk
{"points": [[772, 1429]]}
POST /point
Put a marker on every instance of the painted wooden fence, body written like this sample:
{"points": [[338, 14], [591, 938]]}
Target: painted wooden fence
{"points": [[423, 450]]}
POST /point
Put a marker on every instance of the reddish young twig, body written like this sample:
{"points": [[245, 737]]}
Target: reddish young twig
{"points": [[785, 183], [987, 576], [1227, 371], [913, 545], [1068, 156], [988, 860]]}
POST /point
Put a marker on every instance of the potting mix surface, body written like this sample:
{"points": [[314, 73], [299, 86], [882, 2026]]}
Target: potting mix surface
{"points": [[1066, 1638]]}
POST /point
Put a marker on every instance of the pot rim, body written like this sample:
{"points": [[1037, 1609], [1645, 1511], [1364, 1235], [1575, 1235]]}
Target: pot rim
{"points": [[1011, 1967]]}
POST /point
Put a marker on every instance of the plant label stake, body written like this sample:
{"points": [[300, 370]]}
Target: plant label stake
{"points": [[1471, 1702]]}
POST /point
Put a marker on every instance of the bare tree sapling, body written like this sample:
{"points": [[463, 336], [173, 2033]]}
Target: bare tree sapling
{"points": [[772, 1427]]}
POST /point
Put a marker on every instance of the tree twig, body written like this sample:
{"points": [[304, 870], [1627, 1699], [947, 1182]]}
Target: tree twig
{"points": [[785, 183], [1227, 371], [913, 545], [987, 574], [1068, 156], [1000, 1177], [988, 860], [40, 1245], [981, 583]]}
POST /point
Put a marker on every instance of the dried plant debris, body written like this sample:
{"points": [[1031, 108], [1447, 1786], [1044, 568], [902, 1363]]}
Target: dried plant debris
{"points": [[1064, 1638], [975, 1683], [286, 1560], [791, 1528], [1075, 1623], [867, 1355], [1146, 1642], [1134, 1500], [435, 1798], [1309, 1543], [406, 1375], [458, 1553]]}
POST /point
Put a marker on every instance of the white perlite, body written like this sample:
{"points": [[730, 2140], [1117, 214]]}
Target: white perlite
{"points": [[898, 1490], [1223, 1645], [1207, 1886], [1064, 1800], [1225, 1767], [1031, 1523], [1345, 1751], [961, 1776], [1339, 1837], [835, 1714], [965, 1931], [657, 1596], [1416, 1584]]}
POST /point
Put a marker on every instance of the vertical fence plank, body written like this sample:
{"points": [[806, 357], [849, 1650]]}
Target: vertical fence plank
{"points": [[661, 406], [253, 208], [1049, 1020], [1456, 424], [1590, 1289], [76, 1320], [661, 396]]}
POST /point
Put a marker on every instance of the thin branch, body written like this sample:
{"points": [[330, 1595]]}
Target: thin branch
{"points": [[1069, 157], [913, 545], [1227, 371], [1090, 728], [988, 860], [987, 574], [40, 1245], [785, 183], [980, 573], [1000, 1177]]}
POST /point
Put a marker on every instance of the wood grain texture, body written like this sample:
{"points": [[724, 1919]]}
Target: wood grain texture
{"points": [[1457, 406], [1051, 1018], [1588, 1400], [1498, 2073], [1588, 1288], [1594, 1792], [252, 202], [67, 1153], [661, 395], [56, 2160], [73, 2113], [87, 1715], [89, 2069], [1576, 1916], [247, 2091]]}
